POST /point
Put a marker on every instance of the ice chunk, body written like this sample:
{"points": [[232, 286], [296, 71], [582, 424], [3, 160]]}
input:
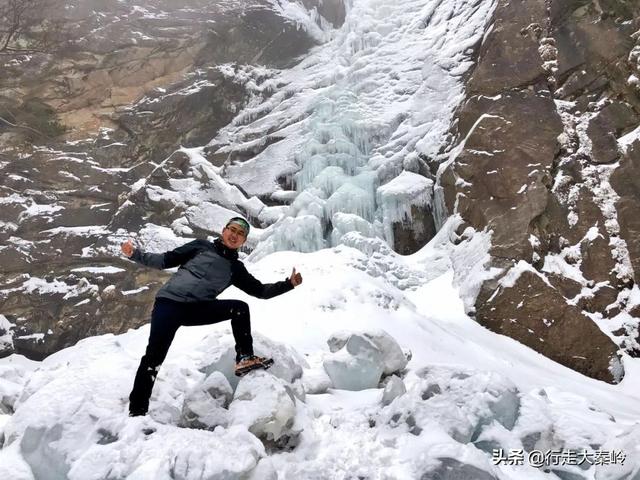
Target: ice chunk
{"points": [[316, 381], [38, 448], [220, 352], [393, 357], [303, 233], [222, 358], [264, 405], [352, 373], [357, 366], [398, 196], [351, 198], [347, 222], [338, 339], [394, 388], [463, 403], [205, 405]]}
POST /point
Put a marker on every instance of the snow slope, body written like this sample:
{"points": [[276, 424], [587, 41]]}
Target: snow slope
{"points": [[468, 391]]}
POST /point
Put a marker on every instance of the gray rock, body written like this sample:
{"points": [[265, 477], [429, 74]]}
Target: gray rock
{"points": [[451, 469]]}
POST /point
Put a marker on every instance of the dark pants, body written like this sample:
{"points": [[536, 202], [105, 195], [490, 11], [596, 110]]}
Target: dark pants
{"points": [[166, 318]]}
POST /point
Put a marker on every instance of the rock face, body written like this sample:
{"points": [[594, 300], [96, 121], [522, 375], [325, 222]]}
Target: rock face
{"points": [[542, 164], [130, 83], [116, 52]]}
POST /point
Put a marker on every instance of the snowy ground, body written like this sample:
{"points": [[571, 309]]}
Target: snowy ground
{"points": [[468, 392]]}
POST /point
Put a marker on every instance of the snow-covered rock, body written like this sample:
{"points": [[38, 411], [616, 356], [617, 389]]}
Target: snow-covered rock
{"points": [[205, 406], [265, 405], [220, 353], [287, 362], [442, 395]]}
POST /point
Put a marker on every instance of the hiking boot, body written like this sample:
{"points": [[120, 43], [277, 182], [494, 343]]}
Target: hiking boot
{"points": [[138, 410], [251, 362]]}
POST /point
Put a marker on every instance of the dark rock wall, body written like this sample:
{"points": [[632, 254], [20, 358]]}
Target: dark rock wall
{"points": [[131, 83], [542, 170]]}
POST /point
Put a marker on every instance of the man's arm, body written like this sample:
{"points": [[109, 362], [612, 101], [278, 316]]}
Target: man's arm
{"points": [[248, 283], [173, 258]]}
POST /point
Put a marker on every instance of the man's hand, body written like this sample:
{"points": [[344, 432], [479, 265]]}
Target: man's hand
{"points": [[127, 248], [295, 278]]}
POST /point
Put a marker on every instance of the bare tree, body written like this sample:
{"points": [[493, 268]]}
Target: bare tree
{"points": [[25, 28]]}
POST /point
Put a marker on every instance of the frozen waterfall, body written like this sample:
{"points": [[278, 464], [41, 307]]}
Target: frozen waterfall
{"points": [[354, 116]]}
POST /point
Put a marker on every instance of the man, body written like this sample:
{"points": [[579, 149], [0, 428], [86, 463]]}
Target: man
{"points": [[189, 298]]}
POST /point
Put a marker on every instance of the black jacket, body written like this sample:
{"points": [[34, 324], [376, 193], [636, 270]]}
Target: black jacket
{"points": [[206, 270]]}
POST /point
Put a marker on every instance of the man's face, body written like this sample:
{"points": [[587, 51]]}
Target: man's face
{"points": [[233, 236]]}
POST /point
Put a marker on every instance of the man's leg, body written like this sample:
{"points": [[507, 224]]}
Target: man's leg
{"points": [[164, 324], [206, 313]]}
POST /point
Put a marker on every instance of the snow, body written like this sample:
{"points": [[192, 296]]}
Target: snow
{"points": [[133, 292], [625, 141], [99, 270], [33, 209], [41, 286], [83, 231], [464, 392]]}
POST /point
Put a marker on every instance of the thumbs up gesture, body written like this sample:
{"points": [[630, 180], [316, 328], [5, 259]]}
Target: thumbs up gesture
{"points": [[295, 278], [127, 248]]}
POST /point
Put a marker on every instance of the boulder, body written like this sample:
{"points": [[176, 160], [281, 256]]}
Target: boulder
{"points": [[205, 405], [265, 405], [538, 316]]}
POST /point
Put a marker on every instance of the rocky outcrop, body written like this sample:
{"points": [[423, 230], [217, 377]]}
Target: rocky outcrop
{"points": [[131, 83], [115, 52], [540, 165]]}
